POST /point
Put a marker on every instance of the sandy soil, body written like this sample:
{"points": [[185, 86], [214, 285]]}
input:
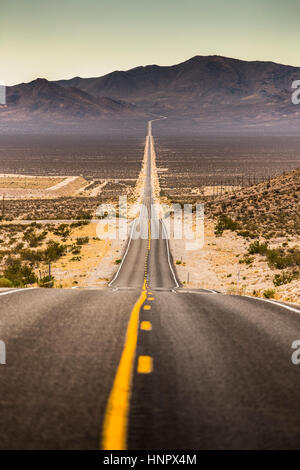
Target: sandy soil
{"points": [[29, 187], [28, 182], [96, 191], [62, 183], [97, 261], [105, 266], [216, 266]]}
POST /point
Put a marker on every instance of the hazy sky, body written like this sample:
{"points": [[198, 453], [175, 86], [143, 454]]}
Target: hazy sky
{"points": [[64, 38]]}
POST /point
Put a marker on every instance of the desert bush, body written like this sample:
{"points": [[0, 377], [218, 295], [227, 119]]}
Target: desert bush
{"points": [[82, 240], [269, 293], [47, 282], [258, 248], [283, 278], [246, 234], [80, 223], [276, 257], [19, 274], [246, 260], [33, 239], [33, 256], [54, 251], [225, 223], [4, 282], [4, 253], [62, 231], [75, 249], [19, 246], [83, 215]]}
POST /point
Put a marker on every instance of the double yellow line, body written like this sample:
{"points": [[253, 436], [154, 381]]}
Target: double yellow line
{"points": [[114, 435]]}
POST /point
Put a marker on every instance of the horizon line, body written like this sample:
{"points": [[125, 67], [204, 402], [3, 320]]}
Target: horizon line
{"points": [[154, 65]]}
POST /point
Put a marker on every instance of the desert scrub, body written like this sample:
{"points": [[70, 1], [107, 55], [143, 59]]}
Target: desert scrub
{"points": [[179, 261], [47, 282], [64, 208], [62, 231], [246, 234], [19, 274], [75, 249], [277, 257], [54, 251], [280, 259], [82, 240], [4, 282], [285, 278], [84, 215], [246, 260], [266, 210], [269, 293], [225, 223], [80, 223], [33, 256], [258, 248], [32, 238]]}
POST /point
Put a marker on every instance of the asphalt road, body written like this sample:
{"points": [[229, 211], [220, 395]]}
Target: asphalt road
{"points": [[218, 375], [160, 272], [222, 375]]}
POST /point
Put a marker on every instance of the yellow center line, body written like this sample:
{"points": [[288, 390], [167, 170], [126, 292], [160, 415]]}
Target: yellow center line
{"points": [[145, 365], [115, 425], [147, 307], [146, 325], [114, 434], [149, 237]]}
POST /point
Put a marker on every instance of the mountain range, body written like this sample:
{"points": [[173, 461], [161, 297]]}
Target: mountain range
{"points": [[205, 91], [43, 98]]}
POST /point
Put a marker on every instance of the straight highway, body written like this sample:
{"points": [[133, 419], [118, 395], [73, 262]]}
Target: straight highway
{"points": [[146, 364]]}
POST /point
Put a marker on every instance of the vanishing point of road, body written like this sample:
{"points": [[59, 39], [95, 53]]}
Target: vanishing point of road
{"points": [[146, 364]]}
